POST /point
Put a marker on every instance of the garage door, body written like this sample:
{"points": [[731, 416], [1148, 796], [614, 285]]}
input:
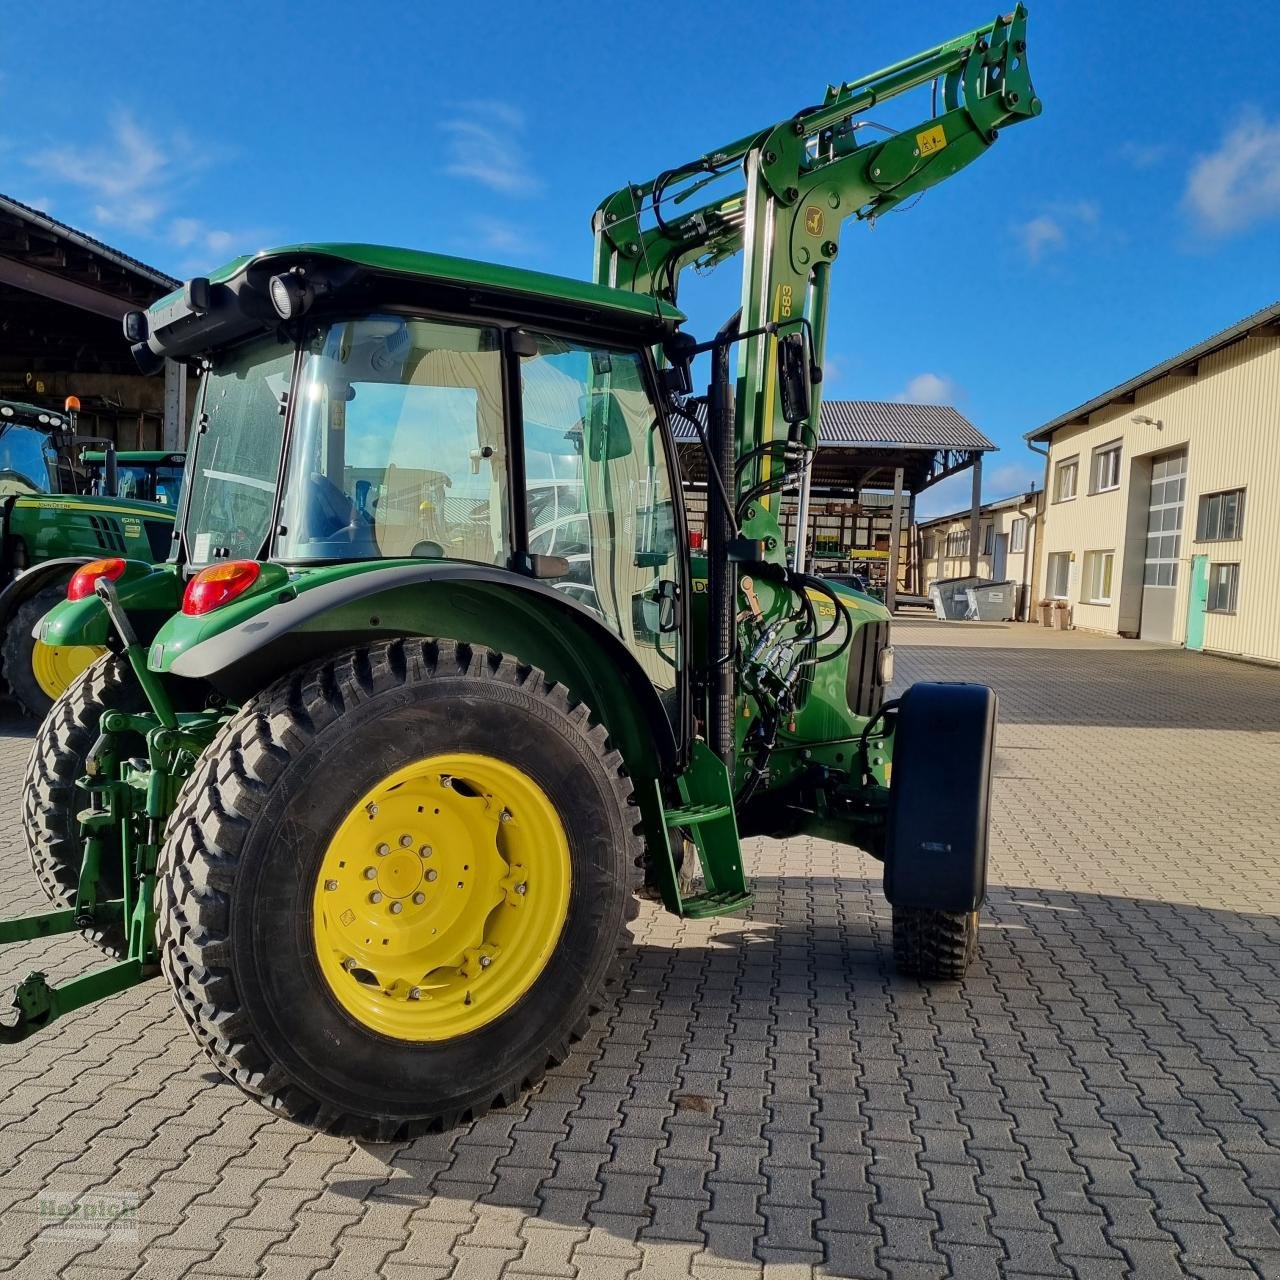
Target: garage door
{"points": [[1164, 545]]}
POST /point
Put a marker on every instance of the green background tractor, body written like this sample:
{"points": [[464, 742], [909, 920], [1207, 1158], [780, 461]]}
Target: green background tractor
{"points": [[48, 528], [432, 685], [145, 475]]}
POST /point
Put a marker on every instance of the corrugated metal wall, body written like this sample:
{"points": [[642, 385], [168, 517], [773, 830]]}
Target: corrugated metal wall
{"points": [[1228, 418]]}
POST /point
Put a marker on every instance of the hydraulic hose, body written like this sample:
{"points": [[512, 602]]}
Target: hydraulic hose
{"points": [[722, 574]]}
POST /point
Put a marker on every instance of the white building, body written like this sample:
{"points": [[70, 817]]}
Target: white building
{"points": [[1163, 499]]}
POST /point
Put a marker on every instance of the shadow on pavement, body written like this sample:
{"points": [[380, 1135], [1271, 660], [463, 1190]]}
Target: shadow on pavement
{"points": [[778, 1093]]}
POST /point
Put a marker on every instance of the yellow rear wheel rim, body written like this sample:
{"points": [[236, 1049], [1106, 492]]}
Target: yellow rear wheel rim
{"points": [[55, 666], [441, 897]]}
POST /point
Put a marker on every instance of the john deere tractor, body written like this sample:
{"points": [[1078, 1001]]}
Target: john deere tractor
{"points": [[433, 686], [48, 529], [146, 475]]}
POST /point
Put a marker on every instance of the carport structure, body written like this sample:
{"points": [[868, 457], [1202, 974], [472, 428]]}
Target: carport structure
{"points": [[867, 450], [63, 295]]}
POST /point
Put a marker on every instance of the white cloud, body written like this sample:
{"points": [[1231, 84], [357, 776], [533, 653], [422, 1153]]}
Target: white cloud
{"points": [[1145, 155], [126, 174], [485, 145], [131, 181], [1238, 183], [931, 388], [1051, 229], [502, 238]]}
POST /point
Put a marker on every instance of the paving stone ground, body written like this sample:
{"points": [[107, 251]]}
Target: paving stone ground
{"points": [[764, 1097]]}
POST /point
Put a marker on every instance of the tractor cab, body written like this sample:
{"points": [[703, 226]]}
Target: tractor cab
{"points": [[354, 414], [143, 475], [29, 458]]}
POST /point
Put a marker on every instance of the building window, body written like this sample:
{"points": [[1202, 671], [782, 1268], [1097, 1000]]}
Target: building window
{"points": [[1064, 479], [1105, 468], [986, 542], [1224, 588], [958, 543], [1097, 577], [1059, 575], [1018, 535], [930, 546], [1221, 516]]}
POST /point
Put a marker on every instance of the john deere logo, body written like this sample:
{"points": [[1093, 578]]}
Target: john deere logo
{"points": [[813, 220]]}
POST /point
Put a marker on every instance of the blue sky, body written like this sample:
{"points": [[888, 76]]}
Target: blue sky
{"points": [[1137, 215]]}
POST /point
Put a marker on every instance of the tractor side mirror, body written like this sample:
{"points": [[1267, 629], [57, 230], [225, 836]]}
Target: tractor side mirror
{"points": [[793, 378], [607, 434]]}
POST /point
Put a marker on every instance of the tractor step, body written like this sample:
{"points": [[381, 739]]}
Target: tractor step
{"points": [[708, 819], [702, 905], [692, 815]]}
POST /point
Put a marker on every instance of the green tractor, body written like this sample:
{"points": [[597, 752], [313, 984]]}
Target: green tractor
{"points": [[145, 475], [433, 686], [49, 527]]}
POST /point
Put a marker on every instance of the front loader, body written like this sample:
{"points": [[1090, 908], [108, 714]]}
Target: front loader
{"points": [[433, 684]]}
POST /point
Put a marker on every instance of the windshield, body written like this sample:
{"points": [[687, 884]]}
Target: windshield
{"points": [[397, 447], [236, 455], [159, 482], [28, 461]]}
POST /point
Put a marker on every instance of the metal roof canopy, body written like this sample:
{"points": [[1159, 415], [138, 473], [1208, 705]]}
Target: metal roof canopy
{"points": [[861, 443], [1263, 323], [62, 296]]}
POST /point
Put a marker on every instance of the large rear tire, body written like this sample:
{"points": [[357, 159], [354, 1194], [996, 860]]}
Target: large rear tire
{"points": [[934, 944], [38, 674], [50, 797], [392, 890]]}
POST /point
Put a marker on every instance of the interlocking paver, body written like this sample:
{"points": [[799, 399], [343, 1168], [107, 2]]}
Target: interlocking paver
{"points": [[764, 1097]]}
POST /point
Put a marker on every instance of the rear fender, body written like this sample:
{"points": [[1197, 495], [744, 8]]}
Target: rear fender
{"points": [[475, 604], [48, 573], [149, 594]]}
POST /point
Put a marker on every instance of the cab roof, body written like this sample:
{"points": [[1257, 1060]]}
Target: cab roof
{"points": [[31, 415], [462, 271], [135, 455]]}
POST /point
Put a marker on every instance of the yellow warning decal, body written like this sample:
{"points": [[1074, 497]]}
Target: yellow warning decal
{"points": [[930, 140]]}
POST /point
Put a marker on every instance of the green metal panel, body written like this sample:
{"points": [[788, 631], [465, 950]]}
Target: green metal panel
{"points": [[64, 524], [1197, 601]]}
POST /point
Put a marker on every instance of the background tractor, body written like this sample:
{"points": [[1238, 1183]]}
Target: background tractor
{"points": [[50, 525], [433, 684], [146, 475]]}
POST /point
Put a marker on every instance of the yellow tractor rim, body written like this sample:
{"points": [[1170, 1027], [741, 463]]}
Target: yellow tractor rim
{"points": [[441, 897], [55, 666]]}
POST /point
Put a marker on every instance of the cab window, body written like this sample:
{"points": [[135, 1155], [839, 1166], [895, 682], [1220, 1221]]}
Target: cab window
{"points": [[599, 494], [397, 447]]}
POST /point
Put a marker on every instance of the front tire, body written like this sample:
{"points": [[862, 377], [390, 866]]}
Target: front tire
{"points": [[392, 889], [934, 944]]}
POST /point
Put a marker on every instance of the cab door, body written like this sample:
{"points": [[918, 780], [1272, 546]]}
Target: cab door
{"points": [[601, 493]]}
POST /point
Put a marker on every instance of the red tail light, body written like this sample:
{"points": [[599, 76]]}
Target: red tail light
{"points": [[219, 584], [86, 577]]}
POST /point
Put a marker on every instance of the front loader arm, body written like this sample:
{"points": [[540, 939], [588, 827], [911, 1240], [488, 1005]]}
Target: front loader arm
{"points": [[803, 177]]}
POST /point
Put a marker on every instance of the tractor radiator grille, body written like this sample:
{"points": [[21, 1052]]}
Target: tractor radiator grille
{"points": [[108, 535], [862, 681]]}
